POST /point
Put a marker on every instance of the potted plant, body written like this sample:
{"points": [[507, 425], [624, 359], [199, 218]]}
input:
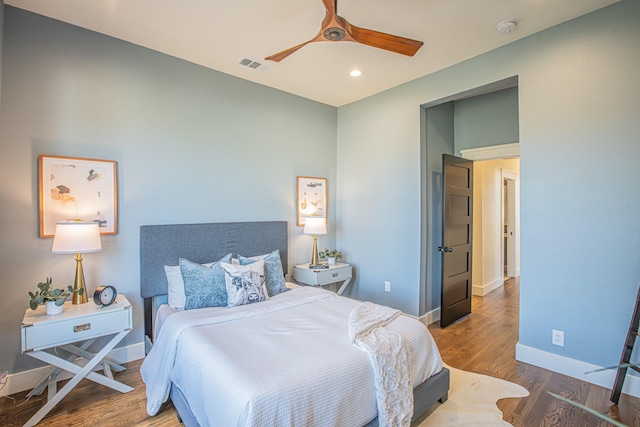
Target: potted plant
{"points": [[54, 298], [331, 255]]}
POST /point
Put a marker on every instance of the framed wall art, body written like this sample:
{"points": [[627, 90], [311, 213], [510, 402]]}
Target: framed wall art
{"points": [[311, 198], [73, 188]]}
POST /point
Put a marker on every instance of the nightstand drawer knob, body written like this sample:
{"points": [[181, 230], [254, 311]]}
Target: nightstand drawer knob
{"points": [[81, 328]]}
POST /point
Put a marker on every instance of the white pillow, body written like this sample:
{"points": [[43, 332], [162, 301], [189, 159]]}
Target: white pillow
{"points": [[245, 283], [175, 292]]}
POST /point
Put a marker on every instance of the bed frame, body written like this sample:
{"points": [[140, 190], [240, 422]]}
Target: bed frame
{"points": [[162, 245]]}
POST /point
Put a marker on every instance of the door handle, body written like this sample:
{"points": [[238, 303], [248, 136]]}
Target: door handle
{"points": [[445, 249]]}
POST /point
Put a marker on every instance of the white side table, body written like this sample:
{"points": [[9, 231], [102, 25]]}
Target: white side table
{"points": [[339, 272], [74, 331]]}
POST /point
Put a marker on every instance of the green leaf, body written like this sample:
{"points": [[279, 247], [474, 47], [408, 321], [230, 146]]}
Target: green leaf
{"points": [[587, 409], [60, 301], [33, 304]]}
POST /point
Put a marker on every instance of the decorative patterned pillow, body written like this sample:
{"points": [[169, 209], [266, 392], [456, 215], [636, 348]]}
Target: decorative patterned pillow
{"points": [[274, 276], [245, 283], [204, 286], [175, 291]]}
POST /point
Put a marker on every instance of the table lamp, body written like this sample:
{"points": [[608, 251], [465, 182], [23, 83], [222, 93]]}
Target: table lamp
{"points": [[77, 238], [315, 226]]}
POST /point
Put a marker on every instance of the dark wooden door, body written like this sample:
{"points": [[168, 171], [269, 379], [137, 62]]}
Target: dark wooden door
{"points": [[457, 229]]}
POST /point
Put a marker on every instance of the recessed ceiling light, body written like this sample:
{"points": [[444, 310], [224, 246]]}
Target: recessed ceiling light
{"points": [[355, 73]]}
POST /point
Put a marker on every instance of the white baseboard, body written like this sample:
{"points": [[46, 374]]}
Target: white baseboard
{"points": [[488, 287], [26, 380], [576, 369], [430, 317]]}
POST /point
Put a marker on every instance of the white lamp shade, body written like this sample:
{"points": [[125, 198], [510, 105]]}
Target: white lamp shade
{"points": [[76, 237], [315, 226]]}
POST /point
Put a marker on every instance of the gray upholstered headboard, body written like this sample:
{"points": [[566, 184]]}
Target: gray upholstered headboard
{"points": [[162, 245]]}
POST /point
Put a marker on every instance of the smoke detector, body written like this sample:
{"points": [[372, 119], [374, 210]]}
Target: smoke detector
{"points": [[506, 26]]}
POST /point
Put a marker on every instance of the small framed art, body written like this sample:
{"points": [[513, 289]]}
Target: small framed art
{"points": [[73, 188], [311, 198]]}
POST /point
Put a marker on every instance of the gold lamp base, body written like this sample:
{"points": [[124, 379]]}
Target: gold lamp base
{"points": [[314, 254], [79, 290]]}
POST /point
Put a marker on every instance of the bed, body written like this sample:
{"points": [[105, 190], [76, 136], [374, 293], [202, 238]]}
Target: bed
{"points": [[295, 341]]}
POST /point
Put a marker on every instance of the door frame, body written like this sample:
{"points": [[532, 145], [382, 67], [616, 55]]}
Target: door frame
{"points": [[429, 292], [512, 213]]}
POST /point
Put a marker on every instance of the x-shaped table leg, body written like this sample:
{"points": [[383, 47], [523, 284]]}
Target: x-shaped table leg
{"points": [[80, 373]]}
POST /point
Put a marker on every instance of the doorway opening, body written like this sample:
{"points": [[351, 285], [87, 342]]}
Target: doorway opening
{"points": [[471, 120], [496, 249]]}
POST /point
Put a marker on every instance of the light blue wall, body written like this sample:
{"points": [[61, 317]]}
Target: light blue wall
{"points": [[192, 145], [579, 130], [440, 139], [489, 119]]}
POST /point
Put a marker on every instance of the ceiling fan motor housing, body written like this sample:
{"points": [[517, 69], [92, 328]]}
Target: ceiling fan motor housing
{"points": [[334, 34]]}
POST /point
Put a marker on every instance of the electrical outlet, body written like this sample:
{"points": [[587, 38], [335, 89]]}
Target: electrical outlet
{"points": [[387, 286], [557, 338]]}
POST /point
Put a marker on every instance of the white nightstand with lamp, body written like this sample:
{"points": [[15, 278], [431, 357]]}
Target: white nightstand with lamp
{"points": [[80, 331], [315, 274]]}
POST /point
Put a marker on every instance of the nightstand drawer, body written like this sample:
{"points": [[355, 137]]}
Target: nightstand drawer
{"points": [[334, 275], [79, 328], [319, 277]]}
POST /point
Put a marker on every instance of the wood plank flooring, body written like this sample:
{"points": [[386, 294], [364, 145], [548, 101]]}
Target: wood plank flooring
{"points": [[483, 342], [91, 404]]}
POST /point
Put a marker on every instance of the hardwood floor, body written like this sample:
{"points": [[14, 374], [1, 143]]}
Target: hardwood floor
{"points": [[91, 404], [483, 342]]}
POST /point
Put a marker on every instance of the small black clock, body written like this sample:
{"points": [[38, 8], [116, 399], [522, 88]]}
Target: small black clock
{"points": [[105, 295]]}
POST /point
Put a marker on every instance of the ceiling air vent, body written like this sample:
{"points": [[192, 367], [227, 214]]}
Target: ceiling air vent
{"points": [[250, 63]]}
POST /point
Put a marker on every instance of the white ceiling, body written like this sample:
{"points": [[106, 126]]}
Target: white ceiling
{"points": [[218, 34]]}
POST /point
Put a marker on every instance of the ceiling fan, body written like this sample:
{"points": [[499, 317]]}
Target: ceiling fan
{"points": [[335, 28]]}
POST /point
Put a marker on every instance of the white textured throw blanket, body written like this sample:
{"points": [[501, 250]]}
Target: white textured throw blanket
{"points": [[389, 358]]}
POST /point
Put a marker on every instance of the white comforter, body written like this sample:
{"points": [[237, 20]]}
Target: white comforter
{"points": [[286, 361]]}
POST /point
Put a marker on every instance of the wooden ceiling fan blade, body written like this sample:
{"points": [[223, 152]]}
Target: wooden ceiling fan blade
{"points": [[330, 16], [277, 57], [330, 6], [385, 41]]}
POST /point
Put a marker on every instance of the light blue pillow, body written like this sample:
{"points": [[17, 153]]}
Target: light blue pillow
{"points": [[204, 286], [274, 276]]}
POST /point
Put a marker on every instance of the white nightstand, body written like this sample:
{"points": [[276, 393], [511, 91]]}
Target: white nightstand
{"points": [[51, 339], [339, 272]]}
